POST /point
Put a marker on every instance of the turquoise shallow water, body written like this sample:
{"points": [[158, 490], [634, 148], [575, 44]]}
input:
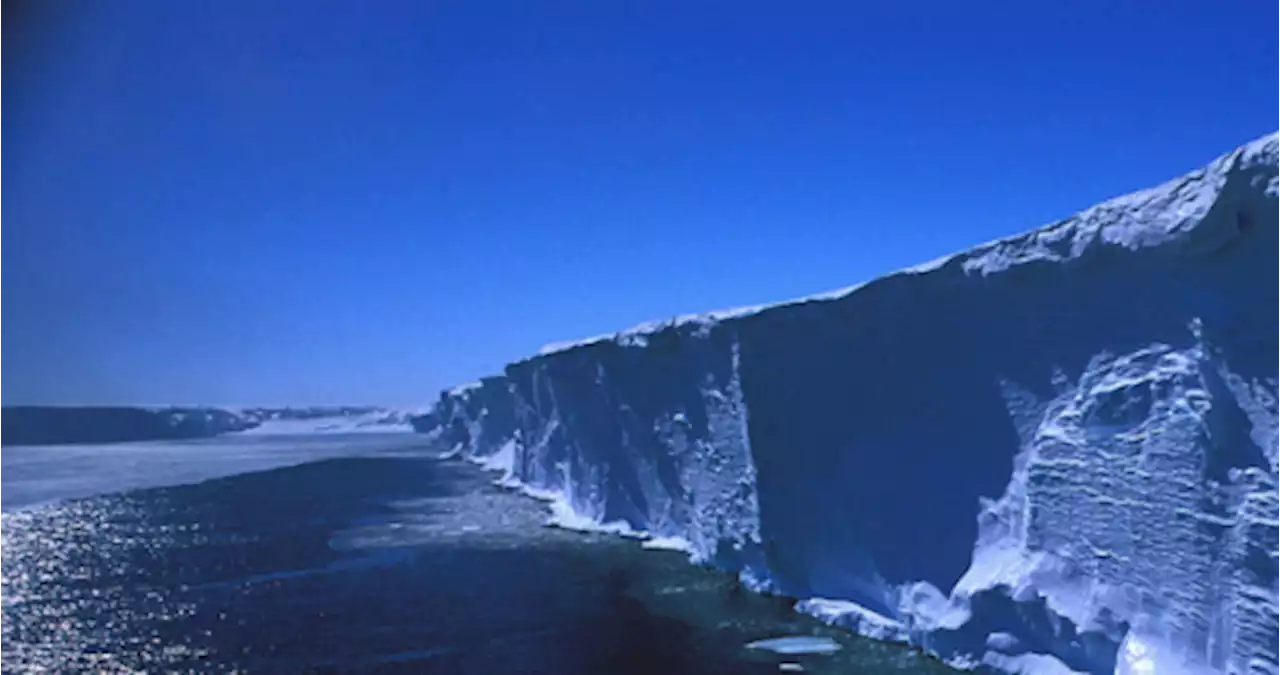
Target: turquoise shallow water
{"points": [[372, 563]]}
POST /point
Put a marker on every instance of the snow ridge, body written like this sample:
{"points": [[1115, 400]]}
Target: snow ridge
{"points": [[1055, 452]]}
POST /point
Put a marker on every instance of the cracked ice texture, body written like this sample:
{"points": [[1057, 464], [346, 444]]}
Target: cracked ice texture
{"points": [[1053, 452]]}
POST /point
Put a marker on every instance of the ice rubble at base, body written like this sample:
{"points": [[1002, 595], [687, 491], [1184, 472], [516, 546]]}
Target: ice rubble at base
{"points": [[1054, 453]]}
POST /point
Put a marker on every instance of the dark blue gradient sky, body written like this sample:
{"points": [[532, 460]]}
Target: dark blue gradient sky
{"points": [[286, 202]]}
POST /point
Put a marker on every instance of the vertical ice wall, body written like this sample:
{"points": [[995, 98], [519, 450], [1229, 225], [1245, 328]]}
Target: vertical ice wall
{"points": [[1056, 450], [650, 431], [477, 418]]}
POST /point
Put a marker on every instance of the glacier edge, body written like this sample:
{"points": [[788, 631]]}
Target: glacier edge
{"points": [[1054, 452]]}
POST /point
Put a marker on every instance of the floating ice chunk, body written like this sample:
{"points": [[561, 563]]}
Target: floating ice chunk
{"points": [[797, 644], [788, 667], [1004, 643], [668, 544]]}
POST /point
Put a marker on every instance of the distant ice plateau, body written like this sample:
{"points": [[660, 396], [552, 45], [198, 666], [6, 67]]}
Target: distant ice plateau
{"points": [[291, 421], [1053, 453], [58, 425]]}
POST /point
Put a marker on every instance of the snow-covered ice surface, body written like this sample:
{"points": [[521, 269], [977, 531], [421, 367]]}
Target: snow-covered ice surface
{"points": [[40, 474], [379, 422], [1055, 452]]}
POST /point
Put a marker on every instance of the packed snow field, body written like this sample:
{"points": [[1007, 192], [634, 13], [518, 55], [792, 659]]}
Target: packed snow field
{"points": [[61, 425], [1053, 453]]}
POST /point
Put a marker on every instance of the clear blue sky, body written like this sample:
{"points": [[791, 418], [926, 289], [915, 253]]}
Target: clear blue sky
{"points": [[320, 202]]}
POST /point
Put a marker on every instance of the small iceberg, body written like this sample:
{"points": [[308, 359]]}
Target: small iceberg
{"points": [[797, 644], [668, 544]]}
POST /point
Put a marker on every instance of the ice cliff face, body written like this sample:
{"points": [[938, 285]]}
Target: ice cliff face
{"points": [[1055, 452]]}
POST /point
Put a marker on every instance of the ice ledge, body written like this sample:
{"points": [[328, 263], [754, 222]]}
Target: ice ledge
{"points": [[1153, 217], [637, 335]]}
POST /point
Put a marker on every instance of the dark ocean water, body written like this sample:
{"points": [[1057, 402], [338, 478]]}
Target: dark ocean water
{"points": [[387, 564]]}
